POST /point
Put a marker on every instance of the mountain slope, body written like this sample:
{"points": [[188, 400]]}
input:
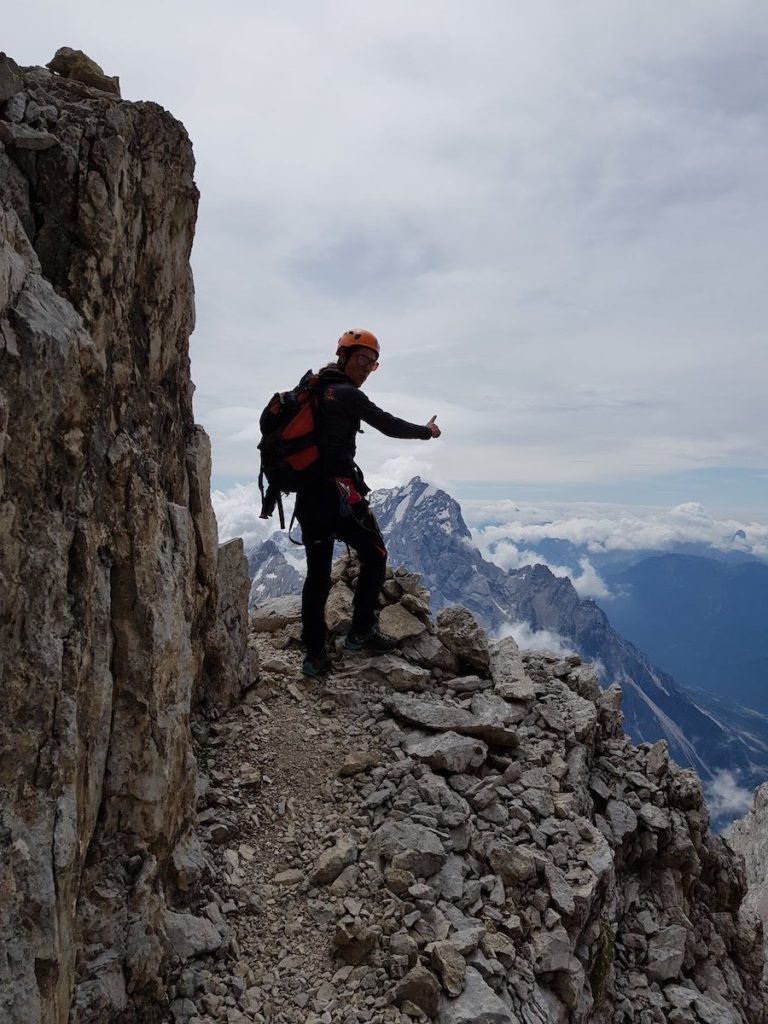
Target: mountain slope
{"points": [[271, 573], [425, 531], [704, 621]]}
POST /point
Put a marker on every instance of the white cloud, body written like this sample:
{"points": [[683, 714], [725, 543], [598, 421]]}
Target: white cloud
{"points": [[725, 797], [601, 529], [398, 470], [552, 214], [587, 581], [528, 639], [237, 514]]}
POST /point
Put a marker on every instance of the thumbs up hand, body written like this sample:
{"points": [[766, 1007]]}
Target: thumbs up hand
{"points": [[434, 427]]}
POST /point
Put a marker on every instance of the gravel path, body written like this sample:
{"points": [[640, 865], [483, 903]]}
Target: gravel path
{"points": [[276, 801]]}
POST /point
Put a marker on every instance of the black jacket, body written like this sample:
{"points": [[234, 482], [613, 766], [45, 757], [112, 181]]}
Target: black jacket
{"points": [[342, 407]]}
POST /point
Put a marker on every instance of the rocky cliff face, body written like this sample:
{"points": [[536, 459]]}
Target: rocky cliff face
{"points": [[749, 837], [108, 545]]}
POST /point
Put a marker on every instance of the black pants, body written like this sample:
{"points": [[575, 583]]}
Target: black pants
{"points": [[319, 512]]}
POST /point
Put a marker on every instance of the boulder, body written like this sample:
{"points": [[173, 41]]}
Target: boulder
{"points": [[289, 877], [559, 889], [450, 966], [407, 846], [579, 715], [399, 623], [189, 936], [488, 725], [467, 684], [426, 649], [666, 952], [477, 1004], [508, 672], [655, 818], [21, 136], [514, 864], [231, 665], [359, 761], [76, 65], [15, 106], [551, 950], [332, 862], [338, 609], [449, 752], [458, 630], [397, 673], [10, 78], [354, 940], [421, 988], [277, 613], [621, 818]]}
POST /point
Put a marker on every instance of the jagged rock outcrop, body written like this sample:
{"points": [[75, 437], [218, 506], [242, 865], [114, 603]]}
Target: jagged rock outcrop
{"points": [[231, 665], [108, 546], [749, 837], [431, 858]]}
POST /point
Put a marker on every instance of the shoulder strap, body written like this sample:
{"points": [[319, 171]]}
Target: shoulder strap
{"points": [[298, 543]]}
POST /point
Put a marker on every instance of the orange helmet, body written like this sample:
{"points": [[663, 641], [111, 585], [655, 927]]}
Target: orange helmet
{"points": [[352, 339]]}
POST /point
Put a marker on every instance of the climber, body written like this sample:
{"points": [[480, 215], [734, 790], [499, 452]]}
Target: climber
{"points": [[334, 507]]}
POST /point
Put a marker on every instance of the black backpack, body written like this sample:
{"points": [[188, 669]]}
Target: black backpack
{"points": [[290, 453]]}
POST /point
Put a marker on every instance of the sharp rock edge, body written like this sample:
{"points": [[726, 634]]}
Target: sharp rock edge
{"points": [[118, 611]]}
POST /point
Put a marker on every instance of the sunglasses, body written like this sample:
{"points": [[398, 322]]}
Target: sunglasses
{"points": [[366, 361]]}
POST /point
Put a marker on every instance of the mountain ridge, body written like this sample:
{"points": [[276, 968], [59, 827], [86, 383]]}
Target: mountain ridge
{"points": [[425, 530]]}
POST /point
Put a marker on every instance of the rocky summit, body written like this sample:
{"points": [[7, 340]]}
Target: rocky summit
{"points": [[190, 831], [456, 832]]}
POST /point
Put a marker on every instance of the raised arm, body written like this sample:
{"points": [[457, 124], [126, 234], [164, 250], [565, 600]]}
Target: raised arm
{"points": [[391, 425]]}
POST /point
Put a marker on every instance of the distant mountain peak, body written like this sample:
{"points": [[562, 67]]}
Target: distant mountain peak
{"points": [[425, 505]]}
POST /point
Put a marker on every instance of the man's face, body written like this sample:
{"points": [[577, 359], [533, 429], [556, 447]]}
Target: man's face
{"points": [[359, 365]]}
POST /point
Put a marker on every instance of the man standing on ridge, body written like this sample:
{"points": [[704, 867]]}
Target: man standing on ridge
{"points": [[334, 506]]}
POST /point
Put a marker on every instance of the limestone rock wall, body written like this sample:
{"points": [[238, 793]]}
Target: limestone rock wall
{"points": [[108, 545], [230, 665], [749, 837]]}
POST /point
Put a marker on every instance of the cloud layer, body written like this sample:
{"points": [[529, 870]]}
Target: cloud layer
{"points": [[507, 533], [601, 529], [726, 798], [553, 215]]}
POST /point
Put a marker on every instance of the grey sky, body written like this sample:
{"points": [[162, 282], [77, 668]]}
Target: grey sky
{"points": [[553, 215]]}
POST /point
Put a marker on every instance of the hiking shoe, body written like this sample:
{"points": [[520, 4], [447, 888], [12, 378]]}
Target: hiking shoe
{"points": [[373, 640], [316, 664]]}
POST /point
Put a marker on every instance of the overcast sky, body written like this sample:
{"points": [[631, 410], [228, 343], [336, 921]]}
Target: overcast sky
{"points": [[553, 215]]}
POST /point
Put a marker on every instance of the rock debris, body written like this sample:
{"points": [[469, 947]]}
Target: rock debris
{"points": [[463, 838]]}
